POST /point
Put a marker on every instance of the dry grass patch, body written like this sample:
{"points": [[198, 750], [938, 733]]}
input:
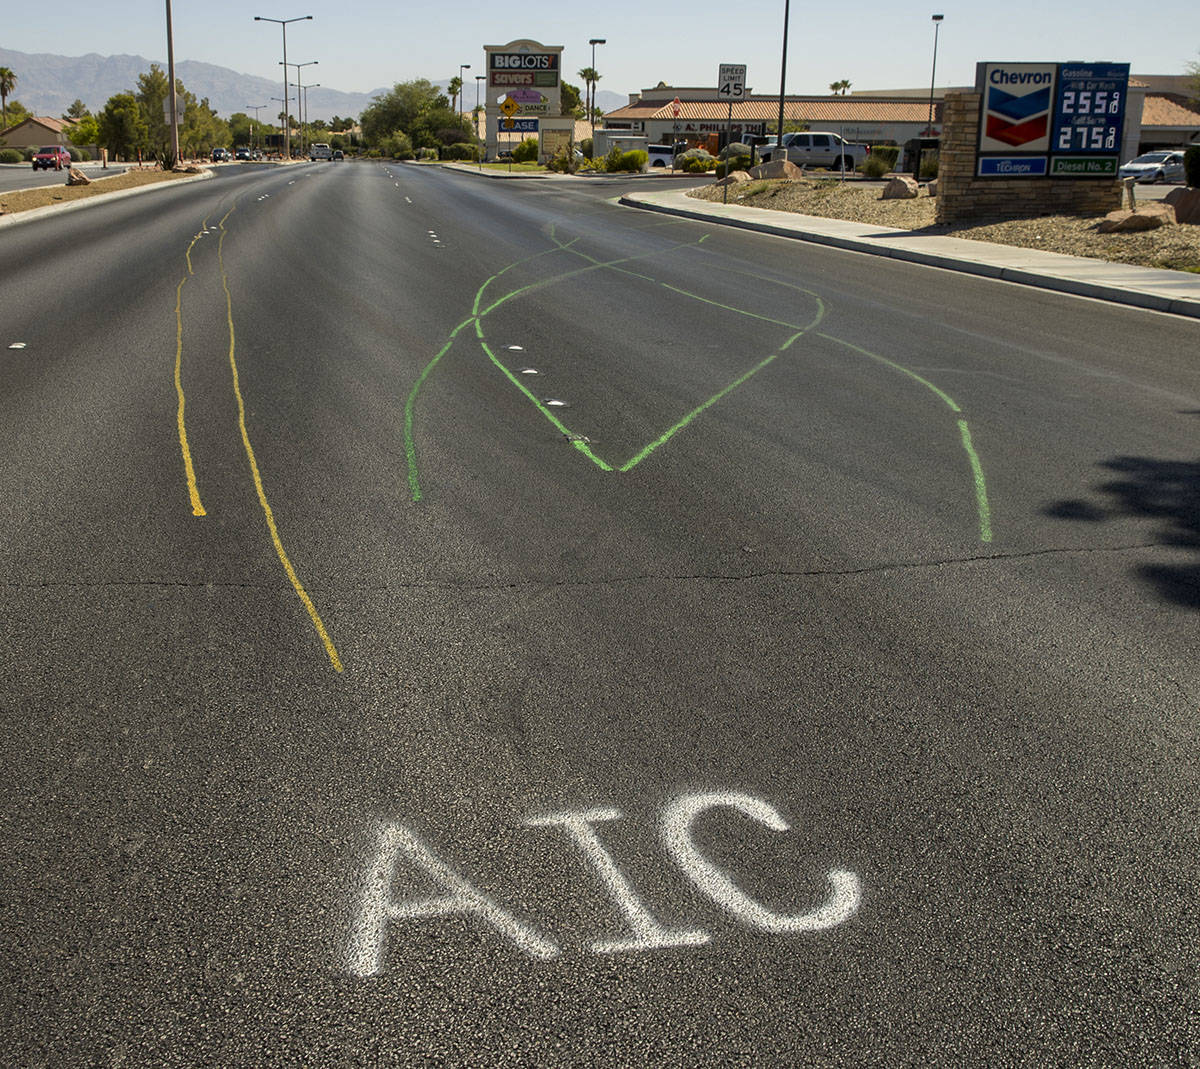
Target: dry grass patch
{"points": [[24, 200], [1174, 247]]}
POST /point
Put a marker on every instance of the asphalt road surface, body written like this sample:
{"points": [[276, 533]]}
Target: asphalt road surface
{"points": [[815, 684]]}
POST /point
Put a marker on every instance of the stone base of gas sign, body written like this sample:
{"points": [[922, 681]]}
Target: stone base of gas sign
{"points": [[962, 195]]}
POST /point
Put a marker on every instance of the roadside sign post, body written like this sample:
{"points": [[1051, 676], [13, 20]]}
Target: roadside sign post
{"points": [[731, 86], [674, 131]]}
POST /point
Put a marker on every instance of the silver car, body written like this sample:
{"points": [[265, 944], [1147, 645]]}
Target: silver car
{"points": [[1164, 166]]}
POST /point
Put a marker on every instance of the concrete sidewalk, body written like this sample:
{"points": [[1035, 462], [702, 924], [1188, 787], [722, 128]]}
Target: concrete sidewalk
{"points": [[1177, 292]]}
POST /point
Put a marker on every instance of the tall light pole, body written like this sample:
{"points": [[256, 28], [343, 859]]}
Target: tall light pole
{"points": [[287, 130], [782, 80], [302, 104], [937, 25], [284, 103], [171, 88], [592, 105], [461, 95], [475, 120], [303, 117], [256, 108]]}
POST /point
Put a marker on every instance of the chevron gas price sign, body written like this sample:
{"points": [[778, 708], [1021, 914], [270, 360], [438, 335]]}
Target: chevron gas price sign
{"points": [[1041, 119]]}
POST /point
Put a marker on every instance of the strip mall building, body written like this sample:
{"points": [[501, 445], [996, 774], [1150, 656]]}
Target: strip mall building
{"points": [[1160, 103]]}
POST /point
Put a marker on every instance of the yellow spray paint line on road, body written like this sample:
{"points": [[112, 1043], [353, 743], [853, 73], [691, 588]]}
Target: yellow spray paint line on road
{"points": [[314, 616], [188, 467]]}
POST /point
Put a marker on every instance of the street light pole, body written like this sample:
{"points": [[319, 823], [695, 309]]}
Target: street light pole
{"points": [[256, 108], [782, 79], [171, 88], [461, 95], [303, 117], [475, 119], [592, 104], [302, 104], [287, 129], [937, 25]]}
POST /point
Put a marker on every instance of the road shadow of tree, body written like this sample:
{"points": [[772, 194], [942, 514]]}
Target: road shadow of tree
{"points": [[1166, 491]]}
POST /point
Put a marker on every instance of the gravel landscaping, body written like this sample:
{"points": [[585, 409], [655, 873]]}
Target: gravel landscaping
{"points": [[1176, 247], [22, 200]]}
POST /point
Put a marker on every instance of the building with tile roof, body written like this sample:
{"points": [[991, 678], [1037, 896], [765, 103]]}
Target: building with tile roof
{"points": [[36, 131], [1170, 117]]}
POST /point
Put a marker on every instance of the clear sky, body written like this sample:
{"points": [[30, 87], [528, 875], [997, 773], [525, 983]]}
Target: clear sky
{"points": [[877, 44]]}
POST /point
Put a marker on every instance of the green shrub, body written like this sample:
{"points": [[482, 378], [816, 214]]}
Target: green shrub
{"points": [[612, 162], [460, 151], [888, 153], [735, 163], [929, 165], [10, 155], [633, 160], [526, 151], [427, 154], [28, 154], [876, 166], [564, 162], [1191, 166], [585, 146], [735, 149], [697, 165]]}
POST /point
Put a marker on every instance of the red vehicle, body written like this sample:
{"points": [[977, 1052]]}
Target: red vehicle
{"points": [[51, 156]]}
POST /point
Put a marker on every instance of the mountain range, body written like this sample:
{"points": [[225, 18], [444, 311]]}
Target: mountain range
{"points": [[48, 85]]}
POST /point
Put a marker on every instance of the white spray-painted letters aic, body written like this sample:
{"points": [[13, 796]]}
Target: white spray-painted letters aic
{"points": [[457, 896]]}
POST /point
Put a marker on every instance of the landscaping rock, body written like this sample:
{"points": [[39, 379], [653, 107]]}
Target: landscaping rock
{"points": [[1147, 217], [777, 169], [931, 189], [1186, 203], [901, 188], [734, 178], [76, 177]]}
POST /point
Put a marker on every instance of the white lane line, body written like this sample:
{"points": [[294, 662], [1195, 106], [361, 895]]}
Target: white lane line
{"points": [[17, 345]]}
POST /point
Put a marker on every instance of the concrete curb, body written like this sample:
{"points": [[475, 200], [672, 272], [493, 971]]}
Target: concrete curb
{"points": [[104, 198], [987, 262]]}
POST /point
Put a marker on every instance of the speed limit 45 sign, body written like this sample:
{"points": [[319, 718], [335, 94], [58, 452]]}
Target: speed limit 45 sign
{"points": [[731, 82]]}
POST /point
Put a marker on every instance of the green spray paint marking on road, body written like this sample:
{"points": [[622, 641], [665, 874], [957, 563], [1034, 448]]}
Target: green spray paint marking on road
{"points": [[663, 439], [410, 449], [953, 405], [981, 497], [566, 432]]}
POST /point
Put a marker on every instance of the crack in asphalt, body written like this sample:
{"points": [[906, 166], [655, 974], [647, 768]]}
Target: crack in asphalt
{"points": [[719, 577]]}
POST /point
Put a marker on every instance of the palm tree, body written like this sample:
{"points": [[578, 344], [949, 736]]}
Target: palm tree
{"points": [[590, 77], [840, 87], [455, 88], [8, 82]]}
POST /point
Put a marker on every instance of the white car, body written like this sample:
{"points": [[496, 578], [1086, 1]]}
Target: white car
{"points": [[1164, 166]]}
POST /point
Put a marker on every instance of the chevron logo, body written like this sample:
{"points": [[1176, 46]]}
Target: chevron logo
{"points": [[1016, 134], [1017, 120]]}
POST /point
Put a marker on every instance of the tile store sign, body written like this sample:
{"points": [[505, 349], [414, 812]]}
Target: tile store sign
{"points": [[1051, 119]]}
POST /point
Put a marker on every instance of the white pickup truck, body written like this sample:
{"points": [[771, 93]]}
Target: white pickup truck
{"points": [[664, 155], [818, 148], [320, 151]]}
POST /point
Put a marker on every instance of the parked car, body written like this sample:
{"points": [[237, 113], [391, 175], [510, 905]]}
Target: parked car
{"points": [[51, 156], [819, 148], [1164, 166], [664, 155], [220, 155]]}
